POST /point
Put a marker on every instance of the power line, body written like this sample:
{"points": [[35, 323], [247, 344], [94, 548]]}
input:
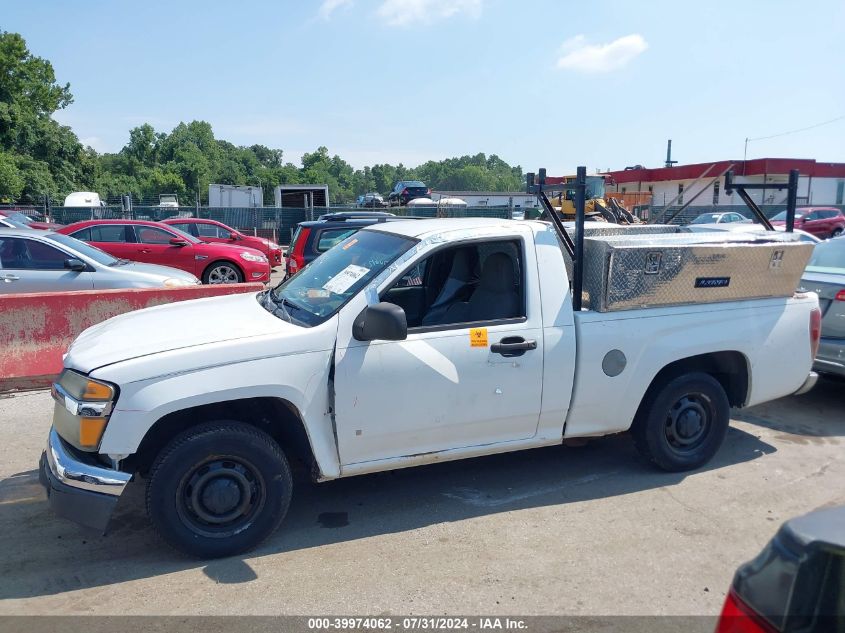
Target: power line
{"points": [[803, 129]]}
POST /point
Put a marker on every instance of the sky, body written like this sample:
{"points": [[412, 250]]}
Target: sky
{"points": [[540, 83]]}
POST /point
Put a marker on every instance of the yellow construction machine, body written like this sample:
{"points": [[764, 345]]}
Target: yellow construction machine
{"points": [[598, 206]]}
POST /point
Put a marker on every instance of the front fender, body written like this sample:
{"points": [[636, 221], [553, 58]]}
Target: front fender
{"points": [[301, 379]]}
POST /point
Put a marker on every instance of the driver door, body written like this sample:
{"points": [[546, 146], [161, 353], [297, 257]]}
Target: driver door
{"points": [[445, 386], [154, 247]]}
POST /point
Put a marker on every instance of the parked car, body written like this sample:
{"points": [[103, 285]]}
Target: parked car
{"points": [[157, 243], [18, 220], [372, 200], [796, 584], [212, 231], [744, 227], [44, 261], [825, 275], [409, 343], [405, 190], [312, 239], [822, 222], [720, 218]]}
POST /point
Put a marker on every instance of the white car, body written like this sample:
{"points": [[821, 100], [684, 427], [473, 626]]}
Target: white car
{"points": [[748, 228], [726, 217], [43, 261], [408, 343]]}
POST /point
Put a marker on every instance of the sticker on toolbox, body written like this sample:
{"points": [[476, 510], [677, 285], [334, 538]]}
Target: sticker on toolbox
{"points": [[478, 337]]}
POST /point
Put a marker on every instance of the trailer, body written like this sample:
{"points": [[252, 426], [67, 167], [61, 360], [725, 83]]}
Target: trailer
{"points": [[235, 196]]}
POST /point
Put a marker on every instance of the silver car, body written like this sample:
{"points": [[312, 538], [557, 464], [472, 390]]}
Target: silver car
{"points": [[42, 261], [825, 275]]}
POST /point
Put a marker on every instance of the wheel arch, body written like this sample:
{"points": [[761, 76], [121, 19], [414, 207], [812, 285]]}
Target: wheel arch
{"points": [[223, 260], [729, 368], [277, 417]]}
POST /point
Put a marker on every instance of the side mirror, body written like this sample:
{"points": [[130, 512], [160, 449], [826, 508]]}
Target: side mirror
{"points": [[76, 265], [382, 321], [178, 241], [233, 238]]}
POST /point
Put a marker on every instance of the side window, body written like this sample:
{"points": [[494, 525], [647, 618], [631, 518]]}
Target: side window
{"points": [[414, 277], [330, 237], [84, 235], [212, 230], [108, 233], [152, 235], [814, 215], [183, 226], [471, 283], [23, 254]]}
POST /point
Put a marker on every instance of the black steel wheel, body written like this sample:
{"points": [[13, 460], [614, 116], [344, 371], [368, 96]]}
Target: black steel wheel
{"points": [[682, 422], [218, 489]]}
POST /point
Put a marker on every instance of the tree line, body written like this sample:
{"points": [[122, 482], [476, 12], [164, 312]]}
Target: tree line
{"points": [[39, 157]]}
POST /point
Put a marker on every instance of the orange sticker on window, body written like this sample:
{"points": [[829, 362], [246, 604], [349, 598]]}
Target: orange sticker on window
{"points": [[350, 244], [478, 337]]}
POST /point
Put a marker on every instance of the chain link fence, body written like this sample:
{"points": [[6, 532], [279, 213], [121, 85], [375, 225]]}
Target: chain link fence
{"points": [[276, 223]]}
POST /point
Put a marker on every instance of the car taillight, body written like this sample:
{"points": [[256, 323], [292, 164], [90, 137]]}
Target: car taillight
{"points": [[296, 257], [840, 296], [738, 617], [815, 330]]}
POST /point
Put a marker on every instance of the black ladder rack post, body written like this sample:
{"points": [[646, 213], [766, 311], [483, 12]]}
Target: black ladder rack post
{"points": [[791, 197]]}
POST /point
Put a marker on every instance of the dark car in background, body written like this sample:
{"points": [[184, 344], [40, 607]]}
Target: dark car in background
{"points": [[796, 584], [312, 239], [406, 190], [825, 275], [372, 200], [823, 222]]}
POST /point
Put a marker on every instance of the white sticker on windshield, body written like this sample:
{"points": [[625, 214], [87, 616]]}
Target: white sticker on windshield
{"points": [[342, 281]]}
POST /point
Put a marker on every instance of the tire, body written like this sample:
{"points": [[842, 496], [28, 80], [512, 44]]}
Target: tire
{"points": [[836, 232], [682, 423], [222, 272], [195, 492]]}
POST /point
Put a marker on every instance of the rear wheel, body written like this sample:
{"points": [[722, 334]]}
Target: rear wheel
{"points": [[683, 422], [222, 273], [836, 232], [218, 489]]}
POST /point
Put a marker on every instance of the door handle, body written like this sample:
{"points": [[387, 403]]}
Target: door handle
{"points": [[144, 250], [512, 346], [8, 278]]}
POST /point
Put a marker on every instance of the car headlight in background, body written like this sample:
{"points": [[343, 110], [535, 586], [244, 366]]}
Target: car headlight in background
{"points": [[253, 258], [273, 246], [180, 283]]}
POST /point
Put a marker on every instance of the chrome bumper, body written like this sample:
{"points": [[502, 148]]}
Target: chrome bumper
{"points": [[808, 384], [78, 474]]}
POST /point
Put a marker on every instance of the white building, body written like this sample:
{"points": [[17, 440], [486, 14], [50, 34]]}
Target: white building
{"points": [[510, 199], [703, 183]]}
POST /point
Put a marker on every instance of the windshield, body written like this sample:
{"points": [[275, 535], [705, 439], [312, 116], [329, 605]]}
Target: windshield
{"points": [[18, 220], [781, 217], [828, 256], [187, 236], [707, 218], [326, 284], [91, 252]]}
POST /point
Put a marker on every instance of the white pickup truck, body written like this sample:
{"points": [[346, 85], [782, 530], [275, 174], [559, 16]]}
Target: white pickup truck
{"points": [[408, 343]]}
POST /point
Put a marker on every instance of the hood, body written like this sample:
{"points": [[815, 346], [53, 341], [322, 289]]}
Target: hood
{"points": [[173, 326]]}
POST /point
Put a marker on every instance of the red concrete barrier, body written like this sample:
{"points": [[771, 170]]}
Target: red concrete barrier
{"points": [[36, 329]]}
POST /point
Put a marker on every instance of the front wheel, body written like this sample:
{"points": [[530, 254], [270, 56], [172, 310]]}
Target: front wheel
{"points": [[836, 232], [222, 273], [218, 489], [683, 422]]}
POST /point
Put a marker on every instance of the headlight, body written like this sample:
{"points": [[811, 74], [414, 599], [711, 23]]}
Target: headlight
{"points": [[88, 403], [179, 283], [273, 246], [253, 258]]}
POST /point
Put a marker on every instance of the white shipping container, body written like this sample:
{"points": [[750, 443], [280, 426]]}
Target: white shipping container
{"points": [[235, 196]]}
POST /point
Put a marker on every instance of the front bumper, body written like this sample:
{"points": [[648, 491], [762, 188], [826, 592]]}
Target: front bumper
{"points": [[78, 489]]}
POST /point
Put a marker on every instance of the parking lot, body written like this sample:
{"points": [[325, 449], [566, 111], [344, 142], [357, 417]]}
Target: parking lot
{"points": [[563, 530]]}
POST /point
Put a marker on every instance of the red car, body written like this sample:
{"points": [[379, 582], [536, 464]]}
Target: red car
{"points": [[823, 222], [157, 243], [216, 232]]}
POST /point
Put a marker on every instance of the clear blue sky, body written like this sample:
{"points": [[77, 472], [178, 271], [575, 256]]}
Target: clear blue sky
{"points": [[540, 83]]}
